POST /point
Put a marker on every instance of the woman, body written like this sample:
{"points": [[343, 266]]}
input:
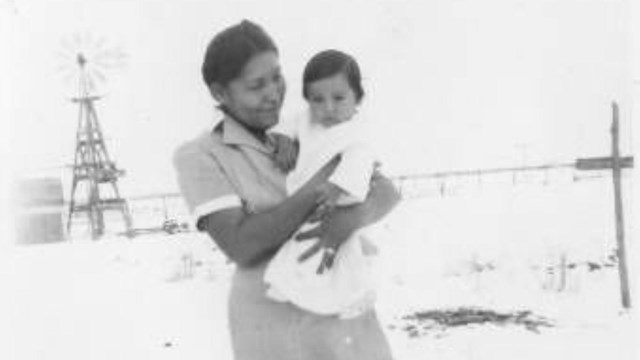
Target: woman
{"points": [[237, 195]]}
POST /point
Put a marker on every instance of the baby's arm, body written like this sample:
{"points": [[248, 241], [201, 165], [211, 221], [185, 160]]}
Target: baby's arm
{"points": [[353, 174], [350, 182]]}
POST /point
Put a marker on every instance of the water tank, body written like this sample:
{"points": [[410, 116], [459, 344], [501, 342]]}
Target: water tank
{"points": [[39, 209]]}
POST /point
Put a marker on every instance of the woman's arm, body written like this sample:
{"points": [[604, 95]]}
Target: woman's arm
{"points": [[249, 238], [342, 222], [383, 198]]}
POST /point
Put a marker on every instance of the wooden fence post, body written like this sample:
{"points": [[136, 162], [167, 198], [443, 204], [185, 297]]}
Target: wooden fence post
{"points": [[617, 190]]}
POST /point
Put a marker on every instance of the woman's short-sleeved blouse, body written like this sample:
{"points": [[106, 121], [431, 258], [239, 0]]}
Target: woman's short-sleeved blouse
{"points": [[228, 167]]}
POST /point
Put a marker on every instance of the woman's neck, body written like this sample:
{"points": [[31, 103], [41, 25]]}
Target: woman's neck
{"points": [[259, 134]]}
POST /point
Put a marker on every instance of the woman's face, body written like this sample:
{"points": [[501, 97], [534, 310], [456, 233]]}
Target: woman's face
{"points": [[255, 97]]}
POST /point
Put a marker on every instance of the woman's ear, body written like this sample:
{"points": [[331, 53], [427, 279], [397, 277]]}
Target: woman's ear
{"points": [[218, 92]]}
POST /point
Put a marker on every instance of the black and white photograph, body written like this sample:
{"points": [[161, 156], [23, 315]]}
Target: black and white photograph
{"points": [[319, 180]]}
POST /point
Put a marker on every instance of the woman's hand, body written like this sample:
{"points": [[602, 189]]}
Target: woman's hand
{"points": [[335, 227], [339, 224], [329, 198]]}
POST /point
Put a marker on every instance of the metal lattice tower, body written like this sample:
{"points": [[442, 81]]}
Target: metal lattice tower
{"points": [[93, 170]]}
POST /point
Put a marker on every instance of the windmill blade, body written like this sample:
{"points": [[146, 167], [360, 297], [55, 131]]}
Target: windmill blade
{"points": [[77, 40], [65, 67], [99, 75], [82, 85], [69, 77], [64, 54], [62, 68], [68, 74], [100, 44], [90, 83], [85, 39], [109, 65], [88, 37], [112, 59], [67, 71]]}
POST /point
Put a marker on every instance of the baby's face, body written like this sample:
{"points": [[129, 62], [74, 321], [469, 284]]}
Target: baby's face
{"points": [[331, 100]]}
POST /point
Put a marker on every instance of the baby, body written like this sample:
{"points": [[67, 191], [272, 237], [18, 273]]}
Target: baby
{"points": [[331, 127]]}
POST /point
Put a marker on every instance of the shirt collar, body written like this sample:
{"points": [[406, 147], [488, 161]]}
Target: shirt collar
{"points": [[235, 134]]}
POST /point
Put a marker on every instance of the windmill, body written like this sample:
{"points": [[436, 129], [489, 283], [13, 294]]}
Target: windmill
{"points": [[95, 174]]}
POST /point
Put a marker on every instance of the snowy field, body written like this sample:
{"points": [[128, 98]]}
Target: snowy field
{"points": [[525, 271]]}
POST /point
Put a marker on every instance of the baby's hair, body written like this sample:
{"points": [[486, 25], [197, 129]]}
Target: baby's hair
{"points": [[328, 63]]}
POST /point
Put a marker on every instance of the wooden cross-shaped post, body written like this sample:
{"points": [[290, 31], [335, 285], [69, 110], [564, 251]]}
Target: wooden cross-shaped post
{"points": [[616, 164]]}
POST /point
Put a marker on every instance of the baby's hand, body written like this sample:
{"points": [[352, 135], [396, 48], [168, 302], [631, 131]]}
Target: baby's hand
{"points": [[286, 152]]}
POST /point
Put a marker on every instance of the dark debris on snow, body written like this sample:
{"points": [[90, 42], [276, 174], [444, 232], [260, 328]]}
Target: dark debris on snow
{"points": [[422, 323]]}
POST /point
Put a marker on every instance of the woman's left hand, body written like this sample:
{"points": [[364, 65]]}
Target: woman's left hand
{"points": [[335, 227], [340, 223]]}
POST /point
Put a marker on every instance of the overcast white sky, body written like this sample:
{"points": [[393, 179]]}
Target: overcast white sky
{"points": [[451, 84]]}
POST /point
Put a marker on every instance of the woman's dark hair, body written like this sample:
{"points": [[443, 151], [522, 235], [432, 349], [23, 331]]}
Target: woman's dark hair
{"points": [[329, 63], [231, 49]]}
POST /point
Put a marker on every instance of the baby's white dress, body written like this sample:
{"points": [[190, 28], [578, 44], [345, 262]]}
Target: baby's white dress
{"points": [[347, 289]]}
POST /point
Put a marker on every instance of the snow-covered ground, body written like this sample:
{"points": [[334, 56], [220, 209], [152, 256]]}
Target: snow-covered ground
{"points": [[517, 272]]}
